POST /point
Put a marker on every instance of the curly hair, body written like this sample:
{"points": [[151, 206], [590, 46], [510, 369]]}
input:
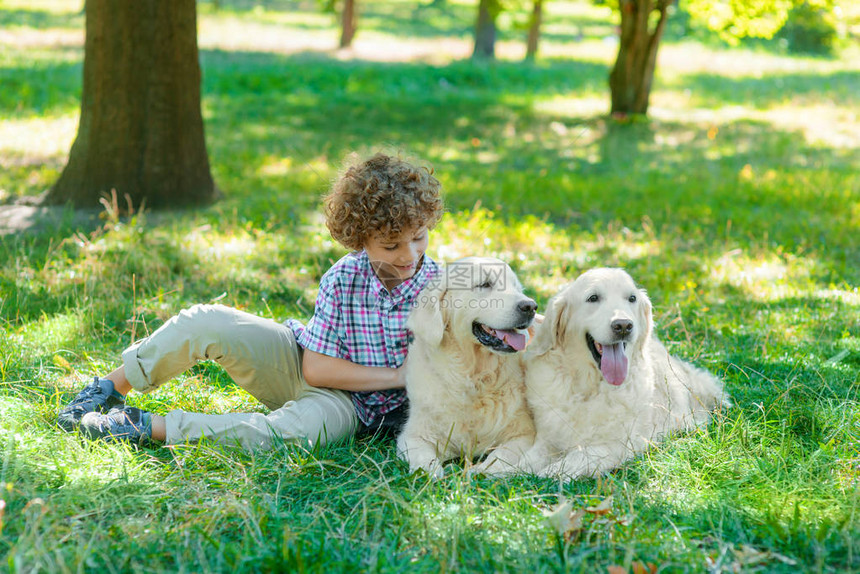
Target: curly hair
{"points": [[382, 196]]}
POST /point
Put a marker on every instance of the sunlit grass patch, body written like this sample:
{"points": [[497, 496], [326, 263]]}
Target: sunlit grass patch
{"points": [[207, 389], [34, 141], [55, 331], [277, 32], [498, 526], [766, 277], [48, 6]]}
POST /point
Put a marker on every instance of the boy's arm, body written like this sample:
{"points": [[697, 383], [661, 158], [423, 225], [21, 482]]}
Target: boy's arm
{"points": [[331, 372]]}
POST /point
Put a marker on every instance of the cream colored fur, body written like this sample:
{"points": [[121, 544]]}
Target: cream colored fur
{"points": [[465, 399], [585, 425]]}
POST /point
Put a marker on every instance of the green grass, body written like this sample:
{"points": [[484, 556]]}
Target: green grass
{"points": [[737, 206]]}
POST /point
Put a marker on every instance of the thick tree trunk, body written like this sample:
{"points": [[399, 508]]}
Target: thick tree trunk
{"points": [[534, 30], [141, 129], [349, 23], [485, 30], [631, 77]]}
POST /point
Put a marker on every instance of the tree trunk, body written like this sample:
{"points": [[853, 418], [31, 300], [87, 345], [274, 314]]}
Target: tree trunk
{"points": [[485, 30], [349, 23], [631, 77], [534, 30], [141, 129]]}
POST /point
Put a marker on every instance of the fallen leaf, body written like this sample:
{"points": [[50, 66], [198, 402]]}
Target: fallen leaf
{"points": [[617, 570], [605, 507], [564, 520], [62, 363], [747, 555], [640, 568]]}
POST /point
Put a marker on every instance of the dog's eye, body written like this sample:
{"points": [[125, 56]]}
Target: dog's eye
{"points": [[593, 298], [632, 299]]}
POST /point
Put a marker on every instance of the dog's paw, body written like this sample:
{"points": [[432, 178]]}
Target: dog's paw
{"points": [[433, 468], [535, 459], [567, 469], [494, 467], [484, 469]]}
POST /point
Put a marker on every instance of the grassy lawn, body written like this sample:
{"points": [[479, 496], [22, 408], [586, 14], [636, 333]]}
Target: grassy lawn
{"points": [[737, 206]]}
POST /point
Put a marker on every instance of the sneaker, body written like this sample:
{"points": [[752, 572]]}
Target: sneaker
{"points": [[126, 424], [97, 396]]}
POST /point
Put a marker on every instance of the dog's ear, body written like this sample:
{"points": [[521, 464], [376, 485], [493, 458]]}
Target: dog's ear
{"points": [[426, 320], [646, 311], [554, 325]]}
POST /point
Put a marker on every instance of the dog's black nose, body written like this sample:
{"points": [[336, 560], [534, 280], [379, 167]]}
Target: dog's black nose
{"points": [[527, 306], [622, 327]]}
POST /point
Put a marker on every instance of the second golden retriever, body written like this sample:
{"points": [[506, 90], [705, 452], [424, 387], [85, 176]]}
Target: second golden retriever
{"points": [[600, 385]]}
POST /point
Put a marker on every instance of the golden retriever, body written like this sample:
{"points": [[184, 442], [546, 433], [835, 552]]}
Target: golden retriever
{"points": [[464, 374], [600, 386]]}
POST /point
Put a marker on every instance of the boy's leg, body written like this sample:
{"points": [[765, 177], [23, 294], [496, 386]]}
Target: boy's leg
{"points": [[259, 354], [318, 416]]}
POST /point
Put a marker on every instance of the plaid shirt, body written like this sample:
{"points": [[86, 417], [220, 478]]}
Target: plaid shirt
{"points": [[356, 318]]}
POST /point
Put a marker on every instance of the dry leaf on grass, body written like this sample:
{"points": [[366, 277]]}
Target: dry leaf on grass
{"points": [[640, 568], [565, 521], [605, 507]]}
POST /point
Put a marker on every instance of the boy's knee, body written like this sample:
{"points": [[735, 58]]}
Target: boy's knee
{"points": [[206, 318]]}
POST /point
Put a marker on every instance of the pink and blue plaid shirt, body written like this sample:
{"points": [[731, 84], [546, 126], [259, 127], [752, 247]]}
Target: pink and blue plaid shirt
{"points": [[358, 319]]}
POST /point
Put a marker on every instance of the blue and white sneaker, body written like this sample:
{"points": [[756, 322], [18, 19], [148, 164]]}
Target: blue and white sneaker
{"points": [[126, 424], [98, 396]]}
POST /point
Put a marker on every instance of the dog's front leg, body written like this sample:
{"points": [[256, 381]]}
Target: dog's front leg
{"points": [[419, 453], [536, 458], [569, 467], [505, 459], [586, 461]]}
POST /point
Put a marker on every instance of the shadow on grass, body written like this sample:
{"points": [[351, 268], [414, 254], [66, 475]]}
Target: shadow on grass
{"points": [[40, 89], [40, 19]]}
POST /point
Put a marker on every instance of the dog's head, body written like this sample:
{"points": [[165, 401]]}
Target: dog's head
{"points": [[601, 317], [477, 301]]}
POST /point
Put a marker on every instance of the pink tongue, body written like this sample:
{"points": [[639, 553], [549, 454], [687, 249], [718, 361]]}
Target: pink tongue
{"points": [[613, 364], [512, 338]]}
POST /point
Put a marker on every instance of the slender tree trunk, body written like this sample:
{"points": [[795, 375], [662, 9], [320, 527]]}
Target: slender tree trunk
{"points": [[349, 23], [485, 30], [141, 129], [631, 77], [534, 30]]}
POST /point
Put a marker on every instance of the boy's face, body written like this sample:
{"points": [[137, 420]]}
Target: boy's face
{"points": [[396, 259]]}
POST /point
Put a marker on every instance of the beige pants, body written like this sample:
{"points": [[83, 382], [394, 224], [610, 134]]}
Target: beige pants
{"points": [[262, 357]]}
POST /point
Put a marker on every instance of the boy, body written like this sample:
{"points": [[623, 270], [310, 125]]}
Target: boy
{"points": [[321, 381]]}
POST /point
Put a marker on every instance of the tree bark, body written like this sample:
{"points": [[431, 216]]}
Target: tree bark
{"points": [[349, 23], [485, 30], [633, 74], [141, 128], [534, 30]]}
